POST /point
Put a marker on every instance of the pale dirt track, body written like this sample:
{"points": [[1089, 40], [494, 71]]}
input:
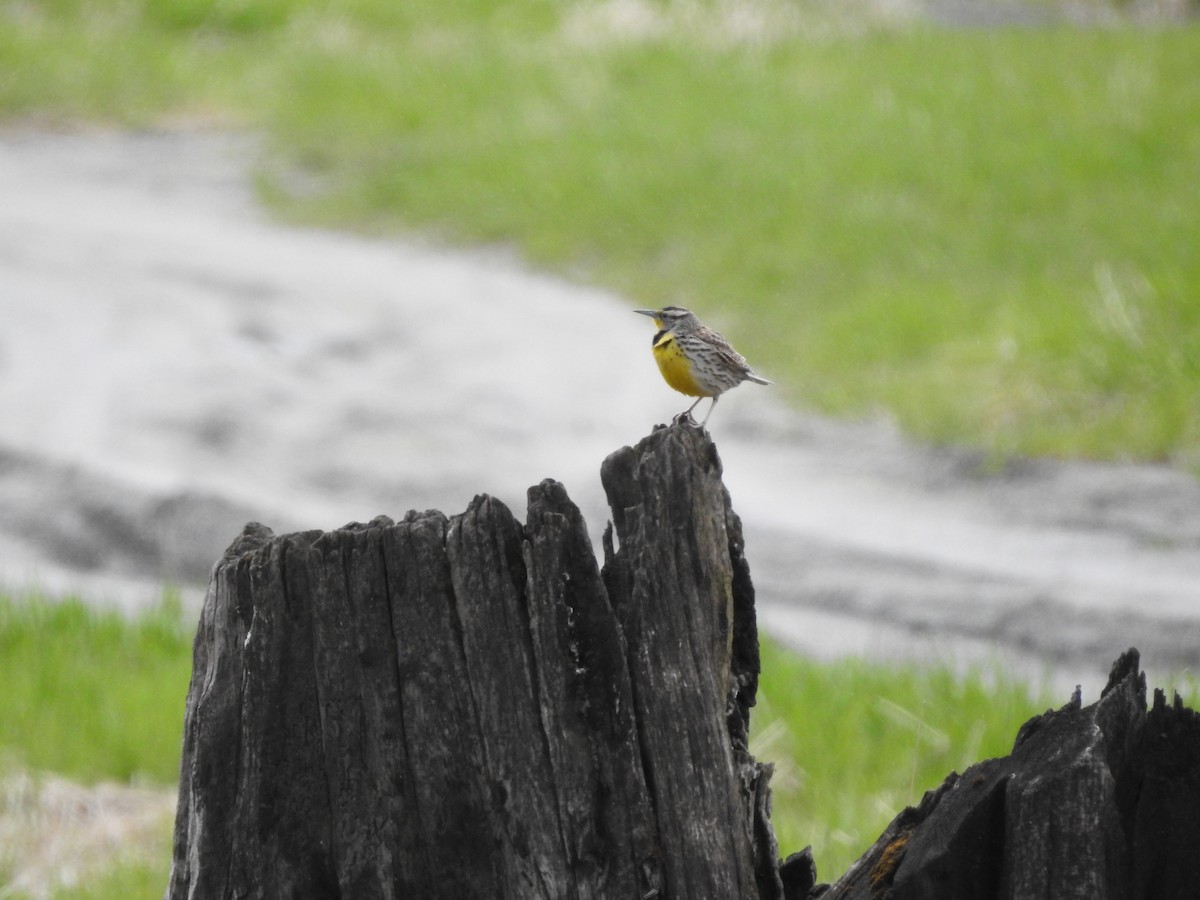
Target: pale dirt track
{"points": [[173, 363]]}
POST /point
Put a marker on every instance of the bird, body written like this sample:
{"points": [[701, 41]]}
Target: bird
{"points": [[694, 359]]}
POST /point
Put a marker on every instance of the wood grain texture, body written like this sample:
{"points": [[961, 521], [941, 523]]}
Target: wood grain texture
{"points": [[462, 707], [672, 578], [1098, 802], [471, 707]]}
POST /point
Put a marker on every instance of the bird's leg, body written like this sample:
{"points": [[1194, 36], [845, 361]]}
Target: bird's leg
{"points": [[686, 415], [710, 409]]}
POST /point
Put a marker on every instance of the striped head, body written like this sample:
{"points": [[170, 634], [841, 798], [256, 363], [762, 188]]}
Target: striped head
{"points": [[672, 318]]}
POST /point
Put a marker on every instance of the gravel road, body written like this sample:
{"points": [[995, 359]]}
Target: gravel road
{"points": [[174, 363]]}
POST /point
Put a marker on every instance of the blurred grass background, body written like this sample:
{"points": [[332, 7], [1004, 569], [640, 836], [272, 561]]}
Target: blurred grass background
{"points": [[989, 235], [92, 696]]}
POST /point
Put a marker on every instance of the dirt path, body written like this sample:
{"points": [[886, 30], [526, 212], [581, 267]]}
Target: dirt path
{"points": [[173, 363]]}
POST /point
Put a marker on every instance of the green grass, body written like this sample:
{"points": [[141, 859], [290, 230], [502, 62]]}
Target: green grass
{"points": [[853, 743], [989, 235], [91, 695]]}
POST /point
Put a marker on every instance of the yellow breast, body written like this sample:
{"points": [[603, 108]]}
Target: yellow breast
{"points": [[675, 368]]}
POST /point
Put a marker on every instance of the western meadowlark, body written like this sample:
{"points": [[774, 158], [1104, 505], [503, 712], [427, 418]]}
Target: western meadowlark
{"points": [[694, 359]]}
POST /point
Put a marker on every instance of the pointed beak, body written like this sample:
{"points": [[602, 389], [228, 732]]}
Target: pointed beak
{"points": [[652, 313]]}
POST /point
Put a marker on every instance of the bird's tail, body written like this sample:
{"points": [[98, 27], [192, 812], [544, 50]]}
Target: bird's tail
{"points": [[757, 379]]}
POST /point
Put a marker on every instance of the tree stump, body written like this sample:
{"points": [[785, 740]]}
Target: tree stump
{"points": [[468, 707], [1094, 803]]}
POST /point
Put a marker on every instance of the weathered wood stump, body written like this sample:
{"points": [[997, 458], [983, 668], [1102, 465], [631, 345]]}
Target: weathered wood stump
{"points": [[468, 707], [1094, 803]]}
